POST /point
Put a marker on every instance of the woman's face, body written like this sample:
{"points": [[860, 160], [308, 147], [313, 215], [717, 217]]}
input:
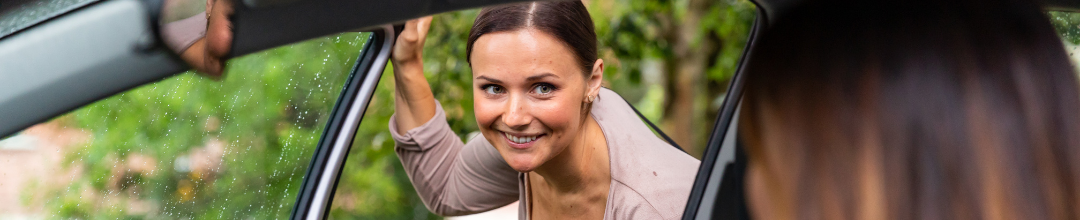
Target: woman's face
{"points": [[528, 95]]}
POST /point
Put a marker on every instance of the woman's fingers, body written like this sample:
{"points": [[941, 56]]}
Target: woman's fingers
{"points": [[410, 43], [422, 26], [218, 37], [409, 34]]}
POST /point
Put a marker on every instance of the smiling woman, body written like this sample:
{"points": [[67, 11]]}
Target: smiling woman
{"points": [[553, 138]]}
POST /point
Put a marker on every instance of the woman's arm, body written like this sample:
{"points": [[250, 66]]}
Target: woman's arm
{"points": [[451, 177], [202, 40], [413, 102]]}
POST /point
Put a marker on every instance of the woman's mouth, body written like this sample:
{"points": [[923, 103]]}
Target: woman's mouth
{"points": [[521, 142]]}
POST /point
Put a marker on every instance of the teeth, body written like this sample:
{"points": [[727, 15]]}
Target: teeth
{"points": [[520, 140]]}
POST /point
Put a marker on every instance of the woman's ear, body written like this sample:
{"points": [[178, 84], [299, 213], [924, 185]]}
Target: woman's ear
{"points": [[596, 79], [209, 8]]}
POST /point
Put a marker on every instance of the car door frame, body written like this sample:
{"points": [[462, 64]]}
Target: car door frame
{"points": [[324, 172], [723, 159]]}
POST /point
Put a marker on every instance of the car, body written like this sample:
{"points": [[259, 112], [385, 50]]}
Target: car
{"points": [[64, 57]]}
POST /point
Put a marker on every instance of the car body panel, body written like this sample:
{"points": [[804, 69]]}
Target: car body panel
{"points": [[102, 49]]}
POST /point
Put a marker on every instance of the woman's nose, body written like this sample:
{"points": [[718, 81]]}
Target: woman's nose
{"points": [[517, 114]]}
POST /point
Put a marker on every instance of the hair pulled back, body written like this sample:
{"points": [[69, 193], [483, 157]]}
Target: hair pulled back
{"points": [[567, 21]]}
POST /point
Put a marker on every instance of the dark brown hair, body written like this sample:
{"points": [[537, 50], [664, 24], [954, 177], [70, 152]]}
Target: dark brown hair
{"points": [[567, 21], [957, 110]]}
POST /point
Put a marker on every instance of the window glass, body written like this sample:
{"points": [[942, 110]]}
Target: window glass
{"points": [[1067, 25], [639, 49], [18, 14], [186, 147]]}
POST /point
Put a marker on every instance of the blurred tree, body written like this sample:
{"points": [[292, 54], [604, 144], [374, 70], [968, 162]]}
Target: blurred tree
{"points": [[697, 44]]}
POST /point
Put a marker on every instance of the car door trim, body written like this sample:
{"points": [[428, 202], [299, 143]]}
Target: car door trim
{"points": [[709, 177], [323, 174]]}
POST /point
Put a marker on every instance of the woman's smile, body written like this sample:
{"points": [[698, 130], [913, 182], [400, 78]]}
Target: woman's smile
{"points": [[521, 141]]}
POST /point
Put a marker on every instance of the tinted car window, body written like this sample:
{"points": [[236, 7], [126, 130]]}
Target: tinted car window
{"points": [[186, 147], [639, 58]]}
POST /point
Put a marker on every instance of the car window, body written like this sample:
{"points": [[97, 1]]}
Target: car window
{"points": [[185, 147], [18, 14], [1067, 25], [640, 67]]}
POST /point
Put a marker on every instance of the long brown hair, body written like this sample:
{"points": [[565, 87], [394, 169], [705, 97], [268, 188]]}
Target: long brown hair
{"points": [[935, 110]]}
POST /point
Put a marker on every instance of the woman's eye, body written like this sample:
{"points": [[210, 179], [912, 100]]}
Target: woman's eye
{"points": [[543, 89], [493, 89]]}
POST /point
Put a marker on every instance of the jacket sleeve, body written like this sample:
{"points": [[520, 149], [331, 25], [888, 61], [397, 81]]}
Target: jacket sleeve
{"points": [[181, 34], [452, 177]]}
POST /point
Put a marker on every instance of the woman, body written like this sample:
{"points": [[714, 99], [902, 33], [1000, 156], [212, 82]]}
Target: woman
{"points": [[552, 137], [912, 110]]}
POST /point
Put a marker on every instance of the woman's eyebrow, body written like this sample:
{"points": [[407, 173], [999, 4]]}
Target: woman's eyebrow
{"points": [[541, 76], [489, 79]]}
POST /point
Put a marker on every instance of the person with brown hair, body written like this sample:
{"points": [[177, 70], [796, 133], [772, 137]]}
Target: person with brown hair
{"points": [[553, 138], [912, 110]]}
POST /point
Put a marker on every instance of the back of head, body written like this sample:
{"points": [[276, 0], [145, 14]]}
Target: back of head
{"points": [[928, 109]]}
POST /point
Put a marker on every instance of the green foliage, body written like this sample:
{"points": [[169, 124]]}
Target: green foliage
{"points": [[731, 23], [643, 43], [639, 30], [1067, 25], [191, 148]]}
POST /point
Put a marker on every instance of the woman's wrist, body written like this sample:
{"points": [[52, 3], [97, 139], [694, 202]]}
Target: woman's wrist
{"points": [[414, 101], [409, 73], [410, 83]]}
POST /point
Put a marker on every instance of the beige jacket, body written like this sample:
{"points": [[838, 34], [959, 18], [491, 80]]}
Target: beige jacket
{"points": [[650, 179]]}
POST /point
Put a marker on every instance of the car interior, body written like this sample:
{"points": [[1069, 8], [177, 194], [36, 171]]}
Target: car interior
{"points": [[111, 46]]}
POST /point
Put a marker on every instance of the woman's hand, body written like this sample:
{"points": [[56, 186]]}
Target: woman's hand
{"points": [[219, 35], [207, 55], [414, 104], [409, 48]]}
